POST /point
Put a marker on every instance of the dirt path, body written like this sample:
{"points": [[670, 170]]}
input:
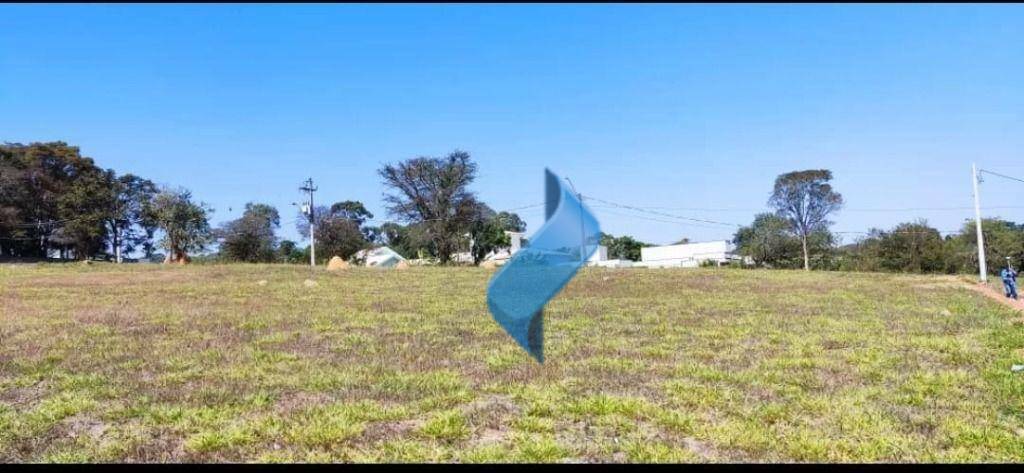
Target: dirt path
{"points": [[996, 295]]}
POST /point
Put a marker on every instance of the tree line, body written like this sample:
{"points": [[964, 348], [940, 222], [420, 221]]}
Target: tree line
{"points": [[56, 203], [797, 234]]}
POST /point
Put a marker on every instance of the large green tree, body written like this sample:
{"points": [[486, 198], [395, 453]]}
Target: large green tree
{"points": [[768, 241], [185, 223], [434, 192], [251, 238], [805, 199], [341, 229], [129, 223]]}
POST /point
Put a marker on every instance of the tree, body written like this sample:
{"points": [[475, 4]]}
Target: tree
{"points": [[805, 199], [53, 198], [488, 228], [128, 221], [410, 241], [768, 241], [251, 238], [1002, 239], [623, 247], [339, 237], [85, 203], [865, 254], [289, 252], [351, 210], [340, 229], [912, 247], [433, 192], [185, 223]]}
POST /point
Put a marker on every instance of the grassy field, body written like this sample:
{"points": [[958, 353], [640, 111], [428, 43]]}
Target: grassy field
{"points": [[246, 363]]}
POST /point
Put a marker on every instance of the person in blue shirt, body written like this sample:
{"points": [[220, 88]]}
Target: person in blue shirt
{"points": [[1009, 281]]}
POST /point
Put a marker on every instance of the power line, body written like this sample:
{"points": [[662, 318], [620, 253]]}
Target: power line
{"points": [[898, 209], [662, 220], [1004, 176], [663, 214]]}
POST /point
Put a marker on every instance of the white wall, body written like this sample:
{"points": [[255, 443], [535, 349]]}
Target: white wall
{"points": [[600, 255], [687, 255]]}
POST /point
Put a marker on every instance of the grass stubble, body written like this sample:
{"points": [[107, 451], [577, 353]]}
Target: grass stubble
{"points": [[103, 363]]}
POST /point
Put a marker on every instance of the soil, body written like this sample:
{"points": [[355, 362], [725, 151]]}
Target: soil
{"points": [[997, 295]]}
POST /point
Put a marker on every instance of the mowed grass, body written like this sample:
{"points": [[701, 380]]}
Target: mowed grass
{"points": [[204, 363]]}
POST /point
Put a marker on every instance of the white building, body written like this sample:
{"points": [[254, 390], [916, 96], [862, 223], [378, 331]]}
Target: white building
{"points": [[689, 255]]}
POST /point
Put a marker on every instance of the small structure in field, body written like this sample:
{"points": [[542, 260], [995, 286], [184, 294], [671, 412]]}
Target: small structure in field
{"points": [[380, 257]]}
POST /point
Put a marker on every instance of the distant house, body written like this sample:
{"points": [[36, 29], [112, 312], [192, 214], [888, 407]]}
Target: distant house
{"points": [[688, 255], [380, 257]]}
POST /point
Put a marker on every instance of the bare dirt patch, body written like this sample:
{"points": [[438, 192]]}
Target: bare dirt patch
{"points": [[996, 295]]}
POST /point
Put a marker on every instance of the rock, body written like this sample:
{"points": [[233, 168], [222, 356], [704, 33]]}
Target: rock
{"points": [[336, 263], [402, 265], [310, 283], [489, 264], [86, 263]]}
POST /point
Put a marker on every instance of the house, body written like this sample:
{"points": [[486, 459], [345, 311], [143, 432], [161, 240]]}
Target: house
{"points": [[380, 257], [688, 255]]}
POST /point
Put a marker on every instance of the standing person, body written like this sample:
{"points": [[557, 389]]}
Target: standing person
{"points": [[1009, 280]]}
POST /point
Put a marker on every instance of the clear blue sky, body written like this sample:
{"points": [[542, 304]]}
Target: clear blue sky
{"points": [[655, 106]]}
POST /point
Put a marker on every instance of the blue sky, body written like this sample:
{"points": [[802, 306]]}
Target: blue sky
{"points": [[684, 108]]}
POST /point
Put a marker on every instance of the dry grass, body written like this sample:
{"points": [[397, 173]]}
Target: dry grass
{"points": [[201, 363]]}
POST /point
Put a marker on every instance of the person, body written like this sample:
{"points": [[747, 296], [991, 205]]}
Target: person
{"points": [[1009, 281]]}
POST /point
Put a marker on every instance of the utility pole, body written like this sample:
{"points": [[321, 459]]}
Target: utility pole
{"points": [[982, 270], [308, 188], [583, 235]]}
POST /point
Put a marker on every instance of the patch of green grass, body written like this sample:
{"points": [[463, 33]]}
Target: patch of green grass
{"points": [[538, 449], [488, 453], [324, 427], [448, 425]]}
